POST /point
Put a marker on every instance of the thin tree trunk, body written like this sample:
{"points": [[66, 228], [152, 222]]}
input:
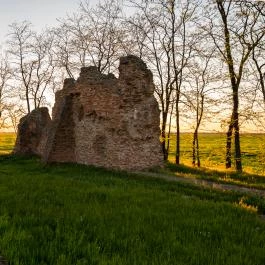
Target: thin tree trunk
{"points": [[261, 75], [237, 145], [163, 135], [236, 130], [195, 143], [177, 158], [199, 119], [169, 131], [194, 148], [228, 157], [27, 99], [198, 151]]}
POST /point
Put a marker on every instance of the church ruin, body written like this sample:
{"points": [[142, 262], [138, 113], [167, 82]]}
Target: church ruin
{"points": [[104, 121]]}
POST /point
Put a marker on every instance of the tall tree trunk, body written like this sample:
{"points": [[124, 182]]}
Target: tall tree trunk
{"points": [[236, 130], [177, 158], [237, 145], [228, 157], [169, 131], [195, 143], [198, 151], [27, 99], [194, 147], [163, 135]]}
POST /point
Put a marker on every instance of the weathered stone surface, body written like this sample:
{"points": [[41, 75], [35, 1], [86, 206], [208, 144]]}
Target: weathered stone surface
{"points": [[107, 121], [32, 133]]}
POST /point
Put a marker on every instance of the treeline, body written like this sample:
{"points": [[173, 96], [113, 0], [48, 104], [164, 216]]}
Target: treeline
{"points": [[207, 58]]}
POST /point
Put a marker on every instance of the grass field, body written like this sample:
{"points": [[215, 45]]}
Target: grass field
{"points": [[212, 150], [7, 141], [72, 214]]}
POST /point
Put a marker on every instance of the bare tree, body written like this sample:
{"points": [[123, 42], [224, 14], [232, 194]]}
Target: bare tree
{"points": [[258, 52], [14, 112], [200, 80], [63, 51], [44, 70], [234, 39], [91, 36], [106, 34], [5, 93], [160, 33], [258, 56], [32, 62], [20, 42], [180, 60]]}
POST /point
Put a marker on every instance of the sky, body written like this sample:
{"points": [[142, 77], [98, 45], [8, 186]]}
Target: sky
{"points": [[40, 13]]}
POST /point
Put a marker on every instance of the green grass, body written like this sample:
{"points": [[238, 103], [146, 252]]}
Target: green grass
{"points": [[212, 151], [72, 214], [225, 177], [7, 141]]}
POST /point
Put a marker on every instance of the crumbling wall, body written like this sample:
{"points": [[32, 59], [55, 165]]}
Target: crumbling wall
{"points": [[60, 145], [32, 133], [106, 121]]}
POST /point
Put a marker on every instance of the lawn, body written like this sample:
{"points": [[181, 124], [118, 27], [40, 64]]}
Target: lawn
{"points": [[72, 214]]}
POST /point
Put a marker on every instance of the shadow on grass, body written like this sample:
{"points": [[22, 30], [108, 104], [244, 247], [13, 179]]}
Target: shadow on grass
{"points": [[216, 175]]}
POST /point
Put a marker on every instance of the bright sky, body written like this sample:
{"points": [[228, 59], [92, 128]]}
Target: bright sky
{"points": [[40, 12]]}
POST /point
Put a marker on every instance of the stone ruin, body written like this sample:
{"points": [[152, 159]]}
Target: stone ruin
{"points": [[33, 132], [99, 120]]}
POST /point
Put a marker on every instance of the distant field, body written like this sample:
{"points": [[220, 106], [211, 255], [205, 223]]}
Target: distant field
{"points": [[212, 147], [7, 141], [212, 150]]}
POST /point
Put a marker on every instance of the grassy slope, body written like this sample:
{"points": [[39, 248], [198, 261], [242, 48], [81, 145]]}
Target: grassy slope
{"points": [[71, 214]]}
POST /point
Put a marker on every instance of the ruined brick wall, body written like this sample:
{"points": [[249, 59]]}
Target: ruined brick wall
{"points": [[60, 146], [106, 121], [33, 132]]}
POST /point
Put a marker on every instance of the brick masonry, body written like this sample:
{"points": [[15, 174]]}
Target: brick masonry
{"points": [[106, 121]]}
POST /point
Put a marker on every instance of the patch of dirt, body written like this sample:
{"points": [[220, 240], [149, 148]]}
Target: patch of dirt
{"points": [[204, 183]]}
